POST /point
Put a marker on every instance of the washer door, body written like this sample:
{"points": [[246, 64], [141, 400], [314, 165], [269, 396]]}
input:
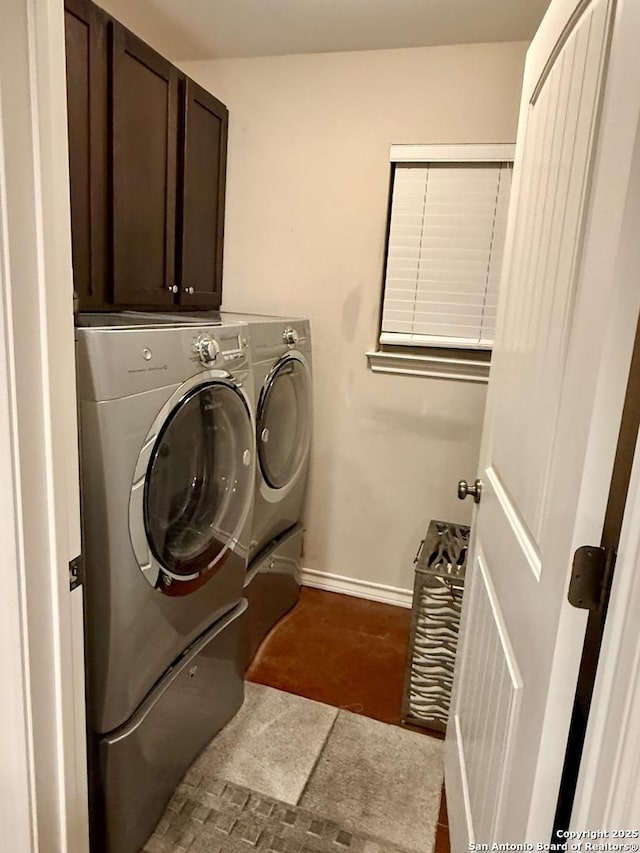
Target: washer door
{"points": [[197, 489], [284, 421]]}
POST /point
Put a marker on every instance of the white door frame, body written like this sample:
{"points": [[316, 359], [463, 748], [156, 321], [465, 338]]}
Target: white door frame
{"points": [[16, 781], [607, 795], [42, 727]]}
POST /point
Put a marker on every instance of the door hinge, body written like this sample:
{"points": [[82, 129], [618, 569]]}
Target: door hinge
{"points": [[76, 572], [591, 576]]}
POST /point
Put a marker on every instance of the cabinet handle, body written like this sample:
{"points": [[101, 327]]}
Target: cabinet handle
{"points": [[189, 290], [173, 288]]}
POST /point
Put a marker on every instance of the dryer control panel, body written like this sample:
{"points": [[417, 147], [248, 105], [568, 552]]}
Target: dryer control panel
{"points": [[290, 336]]}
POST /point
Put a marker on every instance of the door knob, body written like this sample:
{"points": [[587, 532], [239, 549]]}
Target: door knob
{"points": [[464, 489]]}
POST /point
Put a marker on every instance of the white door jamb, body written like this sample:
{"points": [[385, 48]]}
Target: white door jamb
{"points": [[42, 727]]}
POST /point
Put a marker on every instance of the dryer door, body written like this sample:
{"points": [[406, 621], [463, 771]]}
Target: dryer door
{"points": [[198, 487], [284, 421]]}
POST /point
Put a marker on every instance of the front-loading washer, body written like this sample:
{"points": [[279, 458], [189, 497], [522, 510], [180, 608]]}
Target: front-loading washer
{"points": [[167, 448]]}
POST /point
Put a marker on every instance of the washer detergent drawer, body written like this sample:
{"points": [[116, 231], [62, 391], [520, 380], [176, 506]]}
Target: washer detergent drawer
{"points": [[143, 761], [272, 587]]}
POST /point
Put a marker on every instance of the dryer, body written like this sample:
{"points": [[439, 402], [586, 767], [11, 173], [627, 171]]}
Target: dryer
{"points": [[282, 373], [167, 447]]}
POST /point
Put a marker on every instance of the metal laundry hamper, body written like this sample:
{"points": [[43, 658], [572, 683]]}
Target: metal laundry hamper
{"points": [[437, 604]]}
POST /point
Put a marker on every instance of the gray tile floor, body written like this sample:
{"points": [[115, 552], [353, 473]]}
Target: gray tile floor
{"points": [[296, 776], [380, 779], [271, 745]]}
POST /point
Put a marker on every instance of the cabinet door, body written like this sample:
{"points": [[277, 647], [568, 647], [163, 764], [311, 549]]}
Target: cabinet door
{"points": [[203, 196], [86, 56], [144, 145]]}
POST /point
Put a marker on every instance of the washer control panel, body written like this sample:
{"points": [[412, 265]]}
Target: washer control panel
{"points": [[233, 348], [207, 349], [220, 348]]}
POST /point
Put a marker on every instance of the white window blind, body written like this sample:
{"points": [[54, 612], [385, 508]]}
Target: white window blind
{"points": [[446, 241]]}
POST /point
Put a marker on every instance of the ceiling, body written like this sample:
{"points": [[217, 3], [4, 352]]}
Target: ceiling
{"points": [[212, 29]]}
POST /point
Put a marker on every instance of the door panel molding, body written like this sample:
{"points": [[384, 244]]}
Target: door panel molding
{"points": [[518, 525], [463, 779], [487, 709], [565, 35]]}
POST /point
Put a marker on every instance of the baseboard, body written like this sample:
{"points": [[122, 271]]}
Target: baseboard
{"points": [[357, 588]]}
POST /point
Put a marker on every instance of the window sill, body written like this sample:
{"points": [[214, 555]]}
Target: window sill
{"points": [[441, 366]]}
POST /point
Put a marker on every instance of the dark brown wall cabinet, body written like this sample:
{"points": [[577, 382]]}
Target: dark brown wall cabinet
{"points": [[203, 192], [144, 142], [147, 150], [86, 43]]}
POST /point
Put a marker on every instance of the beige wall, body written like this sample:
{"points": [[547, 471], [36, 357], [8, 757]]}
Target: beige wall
{"points": [[307, 193]]}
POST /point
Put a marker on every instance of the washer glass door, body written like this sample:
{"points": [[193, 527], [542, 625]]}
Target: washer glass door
{"points": [[198, 487], [284, 421]]}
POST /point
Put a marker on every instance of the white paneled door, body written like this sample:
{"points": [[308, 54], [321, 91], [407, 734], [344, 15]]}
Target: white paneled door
{"points": [[565, 330]]}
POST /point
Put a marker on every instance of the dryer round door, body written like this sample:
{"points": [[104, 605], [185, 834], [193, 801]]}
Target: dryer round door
{"points": [[284, 421], [197, 487]]}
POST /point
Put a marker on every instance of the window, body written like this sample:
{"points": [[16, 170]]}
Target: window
{"points": [[447, 224]]}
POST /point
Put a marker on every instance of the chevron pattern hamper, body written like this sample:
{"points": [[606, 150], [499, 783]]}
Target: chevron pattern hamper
{"points": [[437, 604]]}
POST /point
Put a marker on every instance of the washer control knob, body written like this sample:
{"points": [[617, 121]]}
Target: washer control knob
{"points": [[290, 337], [207, 349]]}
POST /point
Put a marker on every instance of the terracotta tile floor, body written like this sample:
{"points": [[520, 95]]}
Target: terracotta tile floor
{"points": [[346, 652]]}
